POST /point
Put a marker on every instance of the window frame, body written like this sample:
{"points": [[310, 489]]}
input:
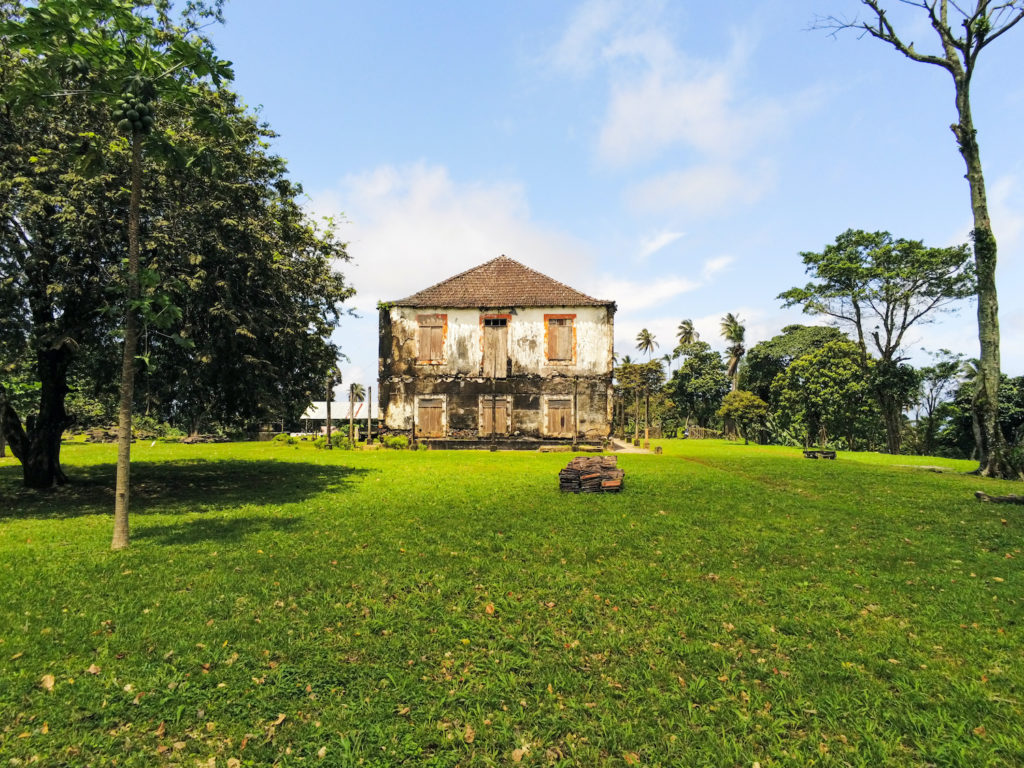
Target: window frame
{"points": [[433, 320], [571, 359]]}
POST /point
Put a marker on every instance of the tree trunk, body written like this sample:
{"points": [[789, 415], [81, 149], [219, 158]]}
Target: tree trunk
{"points": [[37, 447], [647, 416], [893, 423], [330, 396], [636, 421], [122, 485], [991, 447]]}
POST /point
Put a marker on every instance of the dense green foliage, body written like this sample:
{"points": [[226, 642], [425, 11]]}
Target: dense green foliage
{"points": [[880, 287], [823, 393], [238, 292], [746, 410], [699, 384], [767, 359], [733, 605]]}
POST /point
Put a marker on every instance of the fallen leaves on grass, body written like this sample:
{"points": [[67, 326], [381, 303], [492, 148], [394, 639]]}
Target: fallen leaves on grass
{"points": [[47, 682], [94, 670]]}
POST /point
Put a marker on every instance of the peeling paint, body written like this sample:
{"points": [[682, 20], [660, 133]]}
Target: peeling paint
{"points": [[531, 379]]}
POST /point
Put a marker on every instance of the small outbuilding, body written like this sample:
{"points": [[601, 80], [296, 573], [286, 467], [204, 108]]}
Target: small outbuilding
{"points": [[499, 352]]}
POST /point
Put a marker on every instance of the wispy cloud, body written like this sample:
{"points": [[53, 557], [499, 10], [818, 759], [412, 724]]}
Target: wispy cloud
{"points": [[651, 245], [702, 189], [663, 101], [713, 266]]}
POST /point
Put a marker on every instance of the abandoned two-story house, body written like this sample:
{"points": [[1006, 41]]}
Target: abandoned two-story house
{"points": [[497, 352]]}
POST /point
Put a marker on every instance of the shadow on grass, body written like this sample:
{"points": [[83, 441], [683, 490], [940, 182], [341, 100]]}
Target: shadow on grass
{"points": [[175, 487], [203, 529]]}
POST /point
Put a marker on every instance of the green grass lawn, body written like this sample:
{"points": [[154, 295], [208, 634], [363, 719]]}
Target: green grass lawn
{"points": [[735, 605]]}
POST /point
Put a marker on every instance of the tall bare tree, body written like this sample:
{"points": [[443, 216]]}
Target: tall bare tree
{"points": [[962, 33]]}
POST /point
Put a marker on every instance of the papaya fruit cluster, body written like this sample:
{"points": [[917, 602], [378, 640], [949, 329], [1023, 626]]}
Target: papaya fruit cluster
{"points": [[133, 115]]}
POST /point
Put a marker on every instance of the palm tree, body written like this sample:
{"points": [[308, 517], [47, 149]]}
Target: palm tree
{"points": [[668, 362], [356, 394], [686, 333], [645, 342], [733, 331]]}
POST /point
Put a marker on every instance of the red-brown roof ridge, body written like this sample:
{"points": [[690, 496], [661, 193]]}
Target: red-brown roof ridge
{"points": [[500, 282]]}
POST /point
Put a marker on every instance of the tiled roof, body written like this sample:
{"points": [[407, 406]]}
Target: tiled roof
{"points": [[500, 282]]}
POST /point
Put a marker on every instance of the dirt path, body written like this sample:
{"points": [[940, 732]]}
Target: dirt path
{"points": [[619, 446]]}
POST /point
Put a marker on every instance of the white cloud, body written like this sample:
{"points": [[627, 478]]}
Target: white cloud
{"points": [[651, 245], [663, 100], [713, 266], [633, 296], [576, 51], [702, 190], [690, 103], [409, 227]]}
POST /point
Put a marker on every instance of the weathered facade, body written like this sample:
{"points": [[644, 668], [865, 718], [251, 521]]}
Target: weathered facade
{"points": [[499, 352]]}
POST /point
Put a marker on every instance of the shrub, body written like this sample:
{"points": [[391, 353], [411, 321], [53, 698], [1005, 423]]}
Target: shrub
{"points": [[398, 442], [340, 440], [147, 428], [320, 442], [284, 437]]}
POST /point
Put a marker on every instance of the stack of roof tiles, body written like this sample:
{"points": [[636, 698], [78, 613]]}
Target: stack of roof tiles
{"points": [[591, 474]]}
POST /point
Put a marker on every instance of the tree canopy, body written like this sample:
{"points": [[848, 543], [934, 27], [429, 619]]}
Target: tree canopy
{"points": [[767, 359], [880, 287], [237, 288], [699, 384]]}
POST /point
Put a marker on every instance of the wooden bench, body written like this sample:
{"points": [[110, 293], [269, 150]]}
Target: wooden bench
{"points": [[819, 455]]}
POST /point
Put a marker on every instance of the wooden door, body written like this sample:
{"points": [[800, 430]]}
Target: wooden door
{"points": [[559, 418], [495, 348], [430, 417], [500, 411]]}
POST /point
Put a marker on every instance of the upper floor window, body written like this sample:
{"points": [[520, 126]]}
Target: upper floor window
{"points": [[560, 338], [430, 338]]}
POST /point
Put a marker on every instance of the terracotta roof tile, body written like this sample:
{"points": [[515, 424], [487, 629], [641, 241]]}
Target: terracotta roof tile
{"points": [[500, 282]]}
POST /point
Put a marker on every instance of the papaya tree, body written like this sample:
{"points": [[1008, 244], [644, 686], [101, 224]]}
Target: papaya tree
{"points": [[134, 60]]}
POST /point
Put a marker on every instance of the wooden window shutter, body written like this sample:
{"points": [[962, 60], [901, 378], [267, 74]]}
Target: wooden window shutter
{"points": [[560, 338], [430, 338]]}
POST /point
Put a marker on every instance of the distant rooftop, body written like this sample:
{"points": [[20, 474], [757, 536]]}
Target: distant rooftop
{"points": [[500, 282]]}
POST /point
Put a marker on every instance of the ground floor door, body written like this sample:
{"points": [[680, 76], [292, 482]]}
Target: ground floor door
{"points": [[493, 416], [559, 419], [430, 417]]}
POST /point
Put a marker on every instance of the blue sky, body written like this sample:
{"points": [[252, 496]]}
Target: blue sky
{"points": [[673, 157]]}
